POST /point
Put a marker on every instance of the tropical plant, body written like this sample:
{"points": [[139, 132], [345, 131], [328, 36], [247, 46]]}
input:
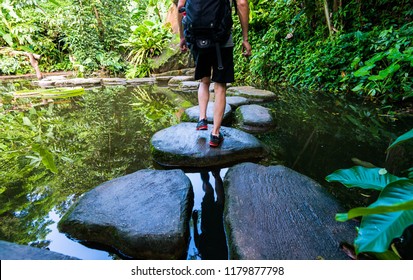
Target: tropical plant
{"points": [[389, 216], [149, 37]]}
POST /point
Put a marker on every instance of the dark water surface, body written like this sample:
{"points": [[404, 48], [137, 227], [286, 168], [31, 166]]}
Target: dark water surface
{"points": [[106, 132]]}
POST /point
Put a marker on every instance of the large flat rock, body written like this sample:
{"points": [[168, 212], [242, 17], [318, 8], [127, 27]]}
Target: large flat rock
{"points": [[143, 215], [275, 213], [12, 251], [183, 146]]}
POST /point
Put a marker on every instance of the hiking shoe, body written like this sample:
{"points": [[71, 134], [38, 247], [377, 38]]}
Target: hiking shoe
{"points": [[202, 125], [215, 141]]}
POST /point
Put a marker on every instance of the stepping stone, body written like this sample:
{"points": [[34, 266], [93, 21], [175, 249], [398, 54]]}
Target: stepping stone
{"points": [[175, 81], [143, 215], [254, 118], [236, 101], [163, 80], [182, 146], [275, 213], [251, 93], [141, 81], [114, 81], [12, 251], [188, 86], [78, 82], [192, 114]]}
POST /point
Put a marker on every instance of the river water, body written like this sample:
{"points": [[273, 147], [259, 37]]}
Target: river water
{"points": [[105, 133]]}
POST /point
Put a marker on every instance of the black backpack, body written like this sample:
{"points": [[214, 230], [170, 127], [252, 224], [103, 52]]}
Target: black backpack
{"points": [[207, 24]]}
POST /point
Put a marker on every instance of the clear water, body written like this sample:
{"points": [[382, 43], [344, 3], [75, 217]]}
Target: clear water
{"points": [[106, 132]]}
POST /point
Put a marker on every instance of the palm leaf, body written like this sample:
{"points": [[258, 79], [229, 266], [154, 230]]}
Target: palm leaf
{"points": [[402, 138], [389, 201], [362, 177], [378, 230]]}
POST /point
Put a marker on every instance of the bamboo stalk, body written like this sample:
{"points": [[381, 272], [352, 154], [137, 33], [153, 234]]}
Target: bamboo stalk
{"points": [[327, 14]]}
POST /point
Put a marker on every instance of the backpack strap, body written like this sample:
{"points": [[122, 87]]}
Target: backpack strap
{"points": [[234, 3], [219, 57]]}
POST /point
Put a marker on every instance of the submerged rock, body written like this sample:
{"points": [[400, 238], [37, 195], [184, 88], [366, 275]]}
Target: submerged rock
{"points": [[251, 93], [143, 215], [254, 118], [275, 213], [12, 251], [183, 146]]}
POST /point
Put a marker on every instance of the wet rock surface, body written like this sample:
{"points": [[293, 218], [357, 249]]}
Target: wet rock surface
{"points": [[184, 147], [12, 251], [143, 215], [251, 93], [254, 118], [275, 213], [192, 114], [236, 101]]}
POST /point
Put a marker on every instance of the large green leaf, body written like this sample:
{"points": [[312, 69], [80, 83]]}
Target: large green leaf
{"points": [[378, 230], [402, 138], [363, 71], [397, 196], [46, 156], [362, 177]]}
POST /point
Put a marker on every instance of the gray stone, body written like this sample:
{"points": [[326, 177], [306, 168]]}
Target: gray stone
{"points": [[251, 93], [189, 86], [275, 213], [162, 80], [254, 118], [192, 114], [175, 81], [12, 251], [114, 81], [143, 215], [184, 147], [141, 81], [236, 101], [78, 82]]}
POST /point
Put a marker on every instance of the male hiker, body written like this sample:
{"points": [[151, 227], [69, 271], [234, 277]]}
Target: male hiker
{"points": [[220, 61]]}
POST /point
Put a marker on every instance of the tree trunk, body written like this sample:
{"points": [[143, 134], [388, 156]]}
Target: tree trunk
{"points": [[34, 61], [327, 13]]}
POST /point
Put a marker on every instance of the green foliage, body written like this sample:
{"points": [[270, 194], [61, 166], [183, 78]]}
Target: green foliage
{"points": [[149, 36], [291, 47], [390, 214], [53, 153]]}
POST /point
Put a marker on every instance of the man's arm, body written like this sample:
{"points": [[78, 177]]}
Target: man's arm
{"points": [[243, 14], [182, 44]]}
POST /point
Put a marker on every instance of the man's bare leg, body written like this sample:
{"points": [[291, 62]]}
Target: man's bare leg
{"points": [[203, 97], [219, 106]]}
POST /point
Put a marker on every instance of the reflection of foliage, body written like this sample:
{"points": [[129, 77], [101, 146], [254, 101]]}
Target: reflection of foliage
{"points": [[390, 214], [312, 128], [92, 138], [157, 110]]}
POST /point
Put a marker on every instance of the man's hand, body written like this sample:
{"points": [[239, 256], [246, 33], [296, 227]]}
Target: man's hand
{"points": [[182, 45], [246, 48]]}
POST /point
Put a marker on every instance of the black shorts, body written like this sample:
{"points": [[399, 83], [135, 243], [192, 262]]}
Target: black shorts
{"points": [[206, 60]]}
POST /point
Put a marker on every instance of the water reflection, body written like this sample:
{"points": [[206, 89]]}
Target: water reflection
{"points": [[211, 242], [105, 134]]}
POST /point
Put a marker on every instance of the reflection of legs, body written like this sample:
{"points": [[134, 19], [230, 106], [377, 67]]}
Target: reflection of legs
{"points": [[219, 187], [219, 106]]}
